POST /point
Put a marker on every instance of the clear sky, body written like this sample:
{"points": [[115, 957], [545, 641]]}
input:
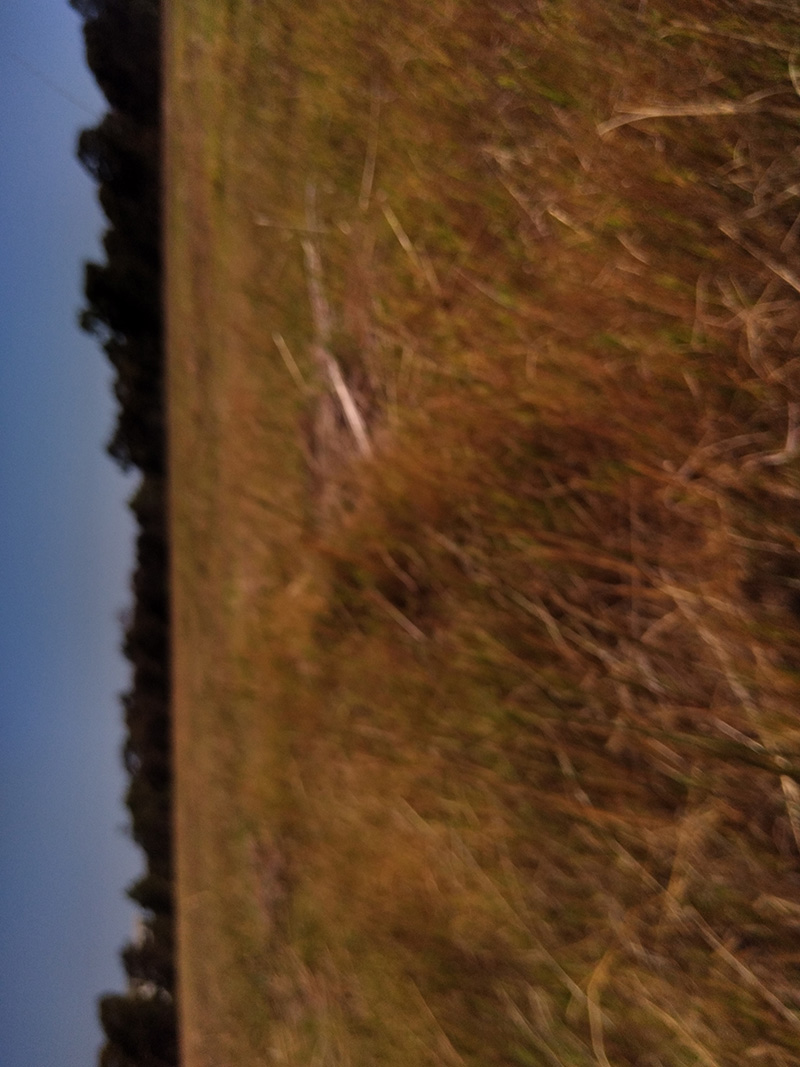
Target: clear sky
{"points": [[65, 561]]}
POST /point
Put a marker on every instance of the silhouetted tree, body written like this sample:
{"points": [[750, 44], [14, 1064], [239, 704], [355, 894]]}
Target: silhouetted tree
{"points": [[123, 310], [141, 1027]]}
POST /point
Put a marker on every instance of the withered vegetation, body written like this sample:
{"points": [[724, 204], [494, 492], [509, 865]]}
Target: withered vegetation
{"points": [[484, 434]]}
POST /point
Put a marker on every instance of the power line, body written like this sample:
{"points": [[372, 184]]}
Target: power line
{"points": [[54, 86]]}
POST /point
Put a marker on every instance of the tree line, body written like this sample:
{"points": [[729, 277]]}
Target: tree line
{"points": [[123, 311]]}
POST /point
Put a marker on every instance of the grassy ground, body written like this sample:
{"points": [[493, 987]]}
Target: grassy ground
{"points": [[486, 685]]}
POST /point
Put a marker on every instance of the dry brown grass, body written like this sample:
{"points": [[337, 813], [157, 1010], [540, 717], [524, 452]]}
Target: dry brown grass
{"points": [[486, 744]]}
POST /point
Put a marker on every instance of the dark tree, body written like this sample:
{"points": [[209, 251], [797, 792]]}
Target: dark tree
{"points": [[141, 1027], [153, 893], [122, 50], [123, 310]]}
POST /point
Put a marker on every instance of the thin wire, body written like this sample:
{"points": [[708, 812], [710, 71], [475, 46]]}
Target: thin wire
{"points": [[54, 86]]}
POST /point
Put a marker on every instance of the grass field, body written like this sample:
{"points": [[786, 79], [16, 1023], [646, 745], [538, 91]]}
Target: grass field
{"points": [[485, 511]]}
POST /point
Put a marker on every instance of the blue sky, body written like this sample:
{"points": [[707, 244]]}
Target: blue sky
{"points": [[65, 561]]}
